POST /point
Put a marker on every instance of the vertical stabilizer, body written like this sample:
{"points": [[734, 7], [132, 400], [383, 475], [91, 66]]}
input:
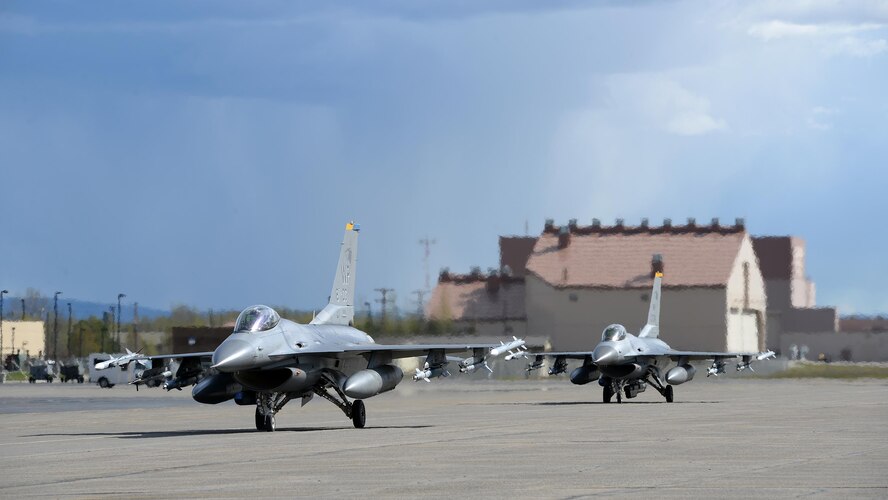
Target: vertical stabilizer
{"points": [[341, 309], [652, 328]]}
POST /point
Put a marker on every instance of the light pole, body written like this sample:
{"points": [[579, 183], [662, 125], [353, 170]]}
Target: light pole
{"points": [[2, 293], [104, 329], [111, 327], [119, 296], [68, 343], [55, 325], [135, 338]]}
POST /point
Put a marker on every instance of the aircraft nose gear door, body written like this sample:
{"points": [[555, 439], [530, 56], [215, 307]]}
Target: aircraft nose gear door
{"points": [[267, 405]]}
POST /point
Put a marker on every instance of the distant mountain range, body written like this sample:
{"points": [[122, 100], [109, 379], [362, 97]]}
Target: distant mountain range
{"points": [[81, 309]]}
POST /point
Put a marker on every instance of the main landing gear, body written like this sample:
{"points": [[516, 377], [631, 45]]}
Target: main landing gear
{"points": [[616, 387], [269, 403]]}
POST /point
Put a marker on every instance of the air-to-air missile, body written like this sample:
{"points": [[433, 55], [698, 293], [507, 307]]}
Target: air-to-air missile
{"points": [[747, 360], [516, 343], [428, 373]]}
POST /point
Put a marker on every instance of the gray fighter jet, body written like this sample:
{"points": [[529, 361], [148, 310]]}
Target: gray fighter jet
{"points": [[268, 361], [625, 364]]}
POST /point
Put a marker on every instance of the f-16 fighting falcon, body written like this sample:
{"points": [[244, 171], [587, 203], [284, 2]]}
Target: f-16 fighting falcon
{"points": [[625, 364], [268, 361]]}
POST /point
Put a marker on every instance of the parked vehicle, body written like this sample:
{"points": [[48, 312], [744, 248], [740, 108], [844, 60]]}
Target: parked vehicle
{"points": [[42, 370], [72, 373], [109, 377]]}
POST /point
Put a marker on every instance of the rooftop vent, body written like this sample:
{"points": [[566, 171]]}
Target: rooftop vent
{"points": [[550, 224], [563, 237], [715, 223], [692, 221], [644, 223], [596, 223], [656, 264], [667, 223], [740, 223]]}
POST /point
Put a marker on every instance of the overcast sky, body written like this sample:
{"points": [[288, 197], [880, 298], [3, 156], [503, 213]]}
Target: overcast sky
{"points": [[210, 153]]}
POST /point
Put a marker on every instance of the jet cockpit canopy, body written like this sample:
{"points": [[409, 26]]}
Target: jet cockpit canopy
{"points": [[256, 319], [613, 333]]}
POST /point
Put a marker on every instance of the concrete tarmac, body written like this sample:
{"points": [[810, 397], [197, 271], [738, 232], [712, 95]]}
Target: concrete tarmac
{"points": [[722, 438]]}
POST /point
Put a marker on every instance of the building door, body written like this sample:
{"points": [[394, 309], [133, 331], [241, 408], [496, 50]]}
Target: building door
{"points": [[743, 332]]}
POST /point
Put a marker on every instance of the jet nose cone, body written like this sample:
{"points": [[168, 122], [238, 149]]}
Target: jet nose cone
{"points": [[604, 354], [233, 355]]}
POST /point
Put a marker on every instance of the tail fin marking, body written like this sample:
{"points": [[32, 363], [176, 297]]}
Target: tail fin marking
{"points": [[652, 328]]}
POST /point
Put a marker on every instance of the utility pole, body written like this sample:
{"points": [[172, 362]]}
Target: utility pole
{"points": [[119, 296], [383, 301], [420, 300], [136, 325], [80, 349], [426, 243], [104, 329], [111, 325], [23, 309], [55, 325], [68, 343], [2, 293]]}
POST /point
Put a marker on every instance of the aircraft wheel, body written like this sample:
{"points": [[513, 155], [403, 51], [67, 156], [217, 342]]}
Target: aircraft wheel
{"points": [[669, 394], [260, 420], [79, 380], [359, 414], [32, 380], [103, 383], [607, 394]]}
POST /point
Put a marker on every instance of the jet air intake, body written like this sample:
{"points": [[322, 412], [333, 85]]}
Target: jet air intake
{"points": [[680, 374], [584, 374], [216, 389], [278, 380], [373, 381]]}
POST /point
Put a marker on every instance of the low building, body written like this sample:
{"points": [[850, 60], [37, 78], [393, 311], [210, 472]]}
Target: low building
{"points": [[791, 293], [580, 279], [477, 304], [188, 339], [26, 337]]}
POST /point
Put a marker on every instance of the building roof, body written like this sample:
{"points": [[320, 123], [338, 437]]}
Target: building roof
{"points": [[620, 257], [475, 297]]}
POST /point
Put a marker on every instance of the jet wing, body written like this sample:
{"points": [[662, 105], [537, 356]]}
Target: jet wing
{"points": [[565, 355], [396, 350], [699, 355], [179, 356], [412, 351]]}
